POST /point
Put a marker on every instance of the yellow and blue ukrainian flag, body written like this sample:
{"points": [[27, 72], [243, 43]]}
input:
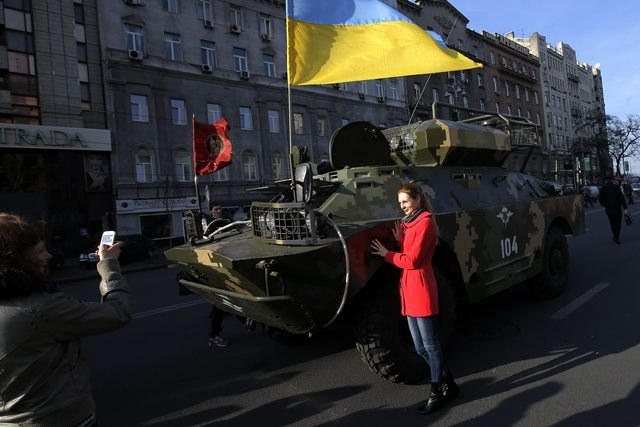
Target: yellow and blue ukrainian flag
{"points": [[333, 41]]}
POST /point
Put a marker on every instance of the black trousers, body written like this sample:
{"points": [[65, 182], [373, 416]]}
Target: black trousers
{"points": [[615, 220], [216, 321]]}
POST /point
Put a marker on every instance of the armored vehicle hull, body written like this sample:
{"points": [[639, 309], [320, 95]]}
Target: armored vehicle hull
{"points": [[301, 259]]}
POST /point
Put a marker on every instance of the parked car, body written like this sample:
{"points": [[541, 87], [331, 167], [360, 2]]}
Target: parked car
{"points": [[591, 194], [136, 247], [635, 189]]}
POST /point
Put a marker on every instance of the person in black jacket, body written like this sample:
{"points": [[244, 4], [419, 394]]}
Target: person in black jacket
{"points": [[612, 199]]}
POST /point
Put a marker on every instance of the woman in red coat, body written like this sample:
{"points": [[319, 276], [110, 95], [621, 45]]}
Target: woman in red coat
{"points": [[417, 236]]}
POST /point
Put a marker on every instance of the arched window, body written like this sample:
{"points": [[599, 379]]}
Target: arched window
{"points": [[144, 166], [249, 166], [278, 166], [184, 167]]}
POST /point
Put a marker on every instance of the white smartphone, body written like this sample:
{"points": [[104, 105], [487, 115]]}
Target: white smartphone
{"points": [[108, 238]]}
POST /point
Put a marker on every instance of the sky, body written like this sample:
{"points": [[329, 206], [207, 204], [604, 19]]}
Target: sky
{"points": [[605, 33]]}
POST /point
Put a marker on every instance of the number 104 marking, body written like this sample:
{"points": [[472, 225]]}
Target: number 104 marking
{"points": [[508, 246]]}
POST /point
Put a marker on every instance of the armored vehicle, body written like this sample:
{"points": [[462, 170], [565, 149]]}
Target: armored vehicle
{"points": [[304, 257]]}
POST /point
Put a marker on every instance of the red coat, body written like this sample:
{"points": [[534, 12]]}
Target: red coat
{"points": [[418, 286]]}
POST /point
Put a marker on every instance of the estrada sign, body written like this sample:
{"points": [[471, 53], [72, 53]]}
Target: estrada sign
{"points": [[54, 138]]}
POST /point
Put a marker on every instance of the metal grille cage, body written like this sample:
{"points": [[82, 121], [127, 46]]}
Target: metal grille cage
{"points": [[283, 223], [401, 138]]}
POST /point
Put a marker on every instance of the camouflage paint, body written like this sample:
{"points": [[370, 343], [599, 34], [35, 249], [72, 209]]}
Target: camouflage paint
{"points": [[491, 221]]}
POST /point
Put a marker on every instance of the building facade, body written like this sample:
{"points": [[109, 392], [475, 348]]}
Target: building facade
{"points": [[54, 146], [169, 61]]}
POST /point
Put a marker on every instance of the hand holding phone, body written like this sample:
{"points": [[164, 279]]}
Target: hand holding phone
{"points": [[108, 238]]}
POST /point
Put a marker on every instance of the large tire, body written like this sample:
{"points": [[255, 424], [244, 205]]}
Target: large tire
{"points": [[382, 333], [553, 279]]}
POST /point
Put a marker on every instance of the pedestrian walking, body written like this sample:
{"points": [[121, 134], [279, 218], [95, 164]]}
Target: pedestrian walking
{"points": [[417, 236], [612, 199]]}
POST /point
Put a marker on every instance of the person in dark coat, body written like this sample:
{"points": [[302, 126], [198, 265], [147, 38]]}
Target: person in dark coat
{"points": [[612, 199]]}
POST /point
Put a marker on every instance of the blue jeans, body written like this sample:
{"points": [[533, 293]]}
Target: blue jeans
{"points": [[424, 331]]}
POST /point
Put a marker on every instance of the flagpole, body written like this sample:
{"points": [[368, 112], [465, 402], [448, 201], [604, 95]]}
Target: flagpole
{"points": [[195, 175], [289, 106]]}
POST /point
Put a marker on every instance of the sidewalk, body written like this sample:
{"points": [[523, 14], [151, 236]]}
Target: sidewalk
{"points": [[73, 271]]}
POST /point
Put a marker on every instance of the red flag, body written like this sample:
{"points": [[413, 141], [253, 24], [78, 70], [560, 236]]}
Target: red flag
{"points": [[211, 147]]}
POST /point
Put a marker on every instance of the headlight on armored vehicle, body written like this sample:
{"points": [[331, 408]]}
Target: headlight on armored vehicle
{"points": [[409, 140]]}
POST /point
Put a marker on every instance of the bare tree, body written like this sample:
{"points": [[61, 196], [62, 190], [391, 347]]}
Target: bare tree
{"points": [[591, 138], [624, 139]]}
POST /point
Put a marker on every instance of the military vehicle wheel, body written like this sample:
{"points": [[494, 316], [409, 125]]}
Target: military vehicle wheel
{"points": [[382, 334], [555, 267]]}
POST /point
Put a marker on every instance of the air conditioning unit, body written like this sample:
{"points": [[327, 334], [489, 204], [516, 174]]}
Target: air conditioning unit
{"points": [[245, 75], [135, 54], [206, 68], [235, 29], [381, 99], [265, 37], [361, 95]]}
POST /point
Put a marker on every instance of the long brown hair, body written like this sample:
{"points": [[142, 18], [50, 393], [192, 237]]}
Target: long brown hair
{"points": [[413, 190], [17, 234]]}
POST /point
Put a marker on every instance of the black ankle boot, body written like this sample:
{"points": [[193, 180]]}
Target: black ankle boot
{"points": [[450, 389], [434, 402]]}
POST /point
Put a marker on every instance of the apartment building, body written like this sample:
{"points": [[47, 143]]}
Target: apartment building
{"points": [[54, 146], [167, 61]]}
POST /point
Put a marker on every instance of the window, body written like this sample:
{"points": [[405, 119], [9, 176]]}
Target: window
{"points": [[239, 59], [139, 108], [497, 107], [221, 175], [322, 127], [435, 95], [204, 11], [184, 171], [449, 97], [144, 167], [235, 16], [278, 166], [519, 112], [509, 109], [265, 25], [535, 96], [495, 84], [482, 105], [526, 94], [269, 65], [363, 88], [208, 53], [156, 226], [417, 91], [538, 118], [379, 89], [274, 121], [214, 113], [506, 88], [172, 47], [178, 112], [517, 91], [81, 49], [492, 58], [480, 80], [393, 90], [298, 123], [246, 122], [134, 37], [170, 6], [465, 101], [249, 166]]}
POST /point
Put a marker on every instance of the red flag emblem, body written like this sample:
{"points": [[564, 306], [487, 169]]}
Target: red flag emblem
{"points": [[212, 149]]}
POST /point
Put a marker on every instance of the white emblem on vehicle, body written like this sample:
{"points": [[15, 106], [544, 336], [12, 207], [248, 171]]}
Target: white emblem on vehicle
{"points": [[226, 301], [504, 215]]}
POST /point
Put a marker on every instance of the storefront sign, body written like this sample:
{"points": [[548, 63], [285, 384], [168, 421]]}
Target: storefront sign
{"points": [[54, 138], [156, 205]]}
